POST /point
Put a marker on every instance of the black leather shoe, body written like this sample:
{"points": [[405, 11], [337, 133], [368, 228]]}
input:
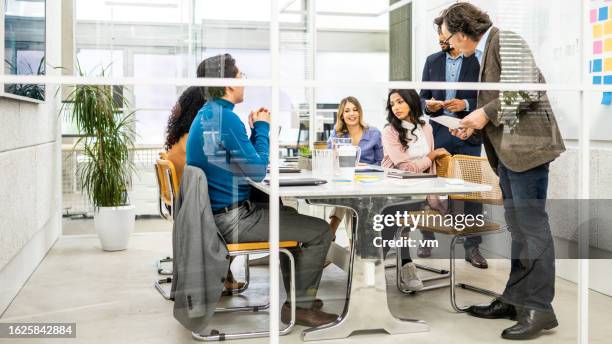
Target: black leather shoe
{"points": [[530, 324], [496, 310]]}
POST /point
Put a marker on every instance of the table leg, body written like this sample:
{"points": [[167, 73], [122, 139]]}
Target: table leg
{"points": [[366, 306]]}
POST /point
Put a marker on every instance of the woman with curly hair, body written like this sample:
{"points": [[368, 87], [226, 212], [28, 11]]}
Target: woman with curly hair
{"points": [[183, 113]]}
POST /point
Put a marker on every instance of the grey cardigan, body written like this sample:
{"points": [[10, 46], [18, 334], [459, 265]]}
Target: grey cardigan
{"points": [[522, 133], [200, 254]]}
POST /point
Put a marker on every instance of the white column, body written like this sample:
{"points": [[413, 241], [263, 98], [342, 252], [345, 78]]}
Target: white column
{"points": [[274, 164], [584, 187]]}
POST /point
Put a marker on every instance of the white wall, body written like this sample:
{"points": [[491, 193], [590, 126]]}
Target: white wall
{"points": [[30, 177]]}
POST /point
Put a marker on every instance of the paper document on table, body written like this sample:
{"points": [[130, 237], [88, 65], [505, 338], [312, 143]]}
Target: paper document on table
{"points": [[447, 121]]}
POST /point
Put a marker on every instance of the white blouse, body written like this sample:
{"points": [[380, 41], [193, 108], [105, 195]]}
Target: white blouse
{"points": [[417, 142]]}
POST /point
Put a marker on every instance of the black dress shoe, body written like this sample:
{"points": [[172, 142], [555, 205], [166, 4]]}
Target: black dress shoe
{"points": [[496, 310], [473, 256], [530, 324]]}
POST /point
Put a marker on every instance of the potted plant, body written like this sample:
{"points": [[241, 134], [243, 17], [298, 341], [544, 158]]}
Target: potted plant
{"points": [[105, 174], [305, 158]]}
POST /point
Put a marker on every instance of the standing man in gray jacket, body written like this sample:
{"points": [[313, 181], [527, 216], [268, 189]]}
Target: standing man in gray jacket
{"points": [[521, 138]]}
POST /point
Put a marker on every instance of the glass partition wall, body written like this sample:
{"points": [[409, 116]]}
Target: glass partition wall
{"points": [[300, 59]]}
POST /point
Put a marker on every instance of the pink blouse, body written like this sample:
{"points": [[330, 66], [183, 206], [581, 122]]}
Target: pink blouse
{"points": [[395, 156]]}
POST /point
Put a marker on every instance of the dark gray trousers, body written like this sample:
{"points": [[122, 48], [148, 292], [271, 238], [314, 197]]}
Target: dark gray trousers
{"points": [[250, 223]]}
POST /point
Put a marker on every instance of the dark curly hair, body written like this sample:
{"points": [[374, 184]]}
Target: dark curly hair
{"points": [[183, 113], [411, 97]]}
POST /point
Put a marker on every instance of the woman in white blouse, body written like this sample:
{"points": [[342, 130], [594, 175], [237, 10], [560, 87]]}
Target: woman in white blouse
{"points": [[409, 145]]}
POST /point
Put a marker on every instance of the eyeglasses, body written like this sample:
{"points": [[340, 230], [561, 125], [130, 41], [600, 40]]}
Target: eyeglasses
{"points": [[242, 75], [447, 41]]}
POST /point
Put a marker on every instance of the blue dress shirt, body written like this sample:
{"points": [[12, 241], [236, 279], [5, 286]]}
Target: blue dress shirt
{"points": [[453, 68], [370, 144]]}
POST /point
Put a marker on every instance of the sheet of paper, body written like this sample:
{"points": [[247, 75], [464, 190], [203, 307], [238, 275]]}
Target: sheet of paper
{"points": [[447, 121]]}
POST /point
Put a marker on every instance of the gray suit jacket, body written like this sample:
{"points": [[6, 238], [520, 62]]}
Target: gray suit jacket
{"points": [[200, 254], [522, 131]]}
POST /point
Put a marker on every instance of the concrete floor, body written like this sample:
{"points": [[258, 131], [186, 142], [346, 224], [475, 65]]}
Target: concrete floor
{"points": [[84, 226], [111, 298]]}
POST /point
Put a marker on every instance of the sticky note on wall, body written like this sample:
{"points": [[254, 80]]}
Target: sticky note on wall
{"points": [[608, 45], [593, 16], [597, 66], [608, 80], [608, 65], [603, 13], [597, 30], [607, 98], [608, 27], [597, 80], [597, 47]]}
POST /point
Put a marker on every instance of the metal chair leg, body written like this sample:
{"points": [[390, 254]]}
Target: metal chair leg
{"points": [[442, 275], [160, 289], [216, 335], [161, 270], [454, 284]]}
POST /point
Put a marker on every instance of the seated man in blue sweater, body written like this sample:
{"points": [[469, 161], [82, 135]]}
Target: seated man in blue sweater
{"points": [[219, 145]]}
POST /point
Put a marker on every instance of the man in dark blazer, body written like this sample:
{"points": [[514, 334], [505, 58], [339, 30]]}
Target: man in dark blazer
{"points": [[451, 66], [521, 138]]}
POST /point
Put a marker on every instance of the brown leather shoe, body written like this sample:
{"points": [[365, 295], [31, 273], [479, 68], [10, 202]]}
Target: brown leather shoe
{"points": [[230, 284], [317, 304], [306, 317], [473, 256]]}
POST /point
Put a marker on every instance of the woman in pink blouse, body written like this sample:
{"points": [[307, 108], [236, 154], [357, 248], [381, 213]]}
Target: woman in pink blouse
{"points": [[408, 145]]}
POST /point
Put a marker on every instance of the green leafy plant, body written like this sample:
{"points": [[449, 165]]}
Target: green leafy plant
{"points": [[108, 137], [27, 90], [305, 151]]}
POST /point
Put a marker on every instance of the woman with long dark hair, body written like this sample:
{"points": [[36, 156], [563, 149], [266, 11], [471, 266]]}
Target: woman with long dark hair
{"points": [[408, 145], [179, 123]]}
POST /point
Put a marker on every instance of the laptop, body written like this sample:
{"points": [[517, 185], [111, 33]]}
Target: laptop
{"points": [[298, 181], [286, 169]]}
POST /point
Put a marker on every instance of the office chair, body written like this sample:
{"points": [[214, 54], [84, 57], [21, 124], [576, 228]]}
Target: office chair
{"points": [[168, 184], [246, 249], [470, 169]]}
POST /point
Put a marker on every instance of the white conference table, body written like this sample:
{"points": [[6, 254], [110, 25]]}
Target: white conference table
{"points": [[366, 300]]}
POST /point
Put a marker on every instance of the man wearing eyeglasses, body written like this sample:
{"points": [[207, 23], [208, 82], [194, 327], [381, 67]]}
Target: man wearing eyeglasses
{"points": [[521, 138], [219, 145], [449, 65]]}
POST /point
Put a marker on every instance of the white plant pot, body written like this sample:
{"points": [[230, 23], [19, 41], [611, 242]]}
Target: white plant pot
{"points": [[114, 225]]}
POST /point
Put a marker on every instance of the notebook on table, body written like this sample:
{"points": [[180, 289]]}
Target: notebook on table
{"points": [[409, 175]]}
